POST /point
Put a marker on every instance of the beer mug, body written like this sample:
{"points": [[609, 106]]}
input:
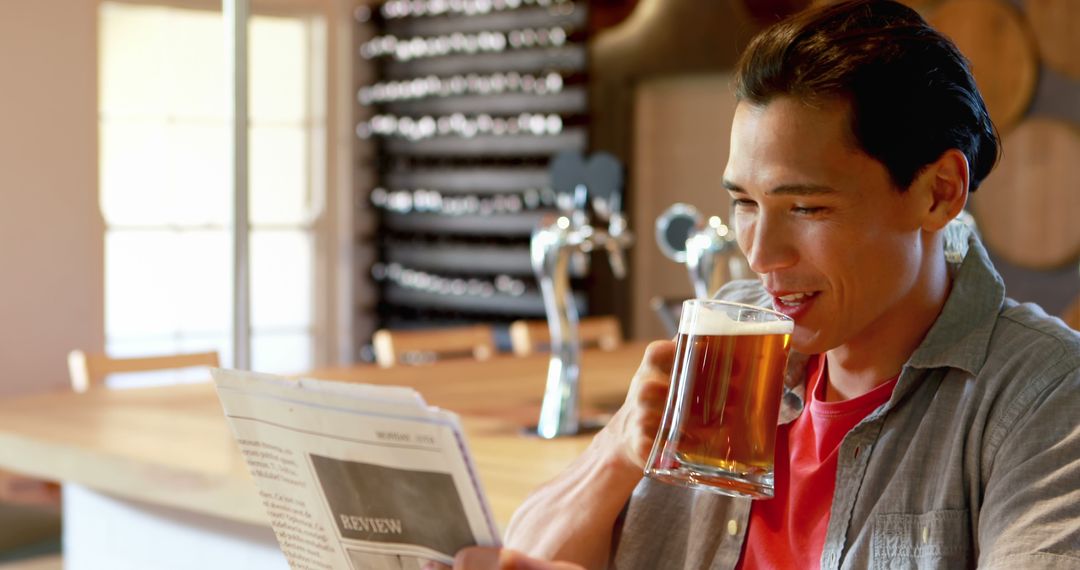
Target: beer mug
{"points": [[719, 425]]}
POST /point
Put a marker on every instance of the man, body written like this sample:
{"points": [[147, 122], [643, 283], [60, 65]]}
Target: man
{"points": [[940, 426]]}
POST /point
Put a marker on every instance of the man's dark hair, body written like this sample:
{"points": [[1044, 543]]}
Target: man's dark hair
{"points": [[911, 91]]}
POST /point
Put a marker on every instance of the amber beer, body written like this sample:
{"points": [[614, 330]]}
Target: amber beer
{"points": [[719, 427]]}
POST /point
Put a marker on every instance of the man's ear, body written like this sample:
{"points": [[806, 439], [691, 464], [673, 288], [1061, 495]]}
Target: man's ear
{"points": [[945, 184]]}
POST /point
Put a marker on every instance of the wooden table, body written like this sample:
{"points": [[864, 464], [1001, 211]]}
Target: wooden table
{"points": [[170, 448], [497, 398]]}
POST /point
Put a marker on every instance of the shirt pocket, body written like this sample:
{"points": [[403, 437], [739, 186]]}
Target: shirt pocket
{"points": [[937, 539]]}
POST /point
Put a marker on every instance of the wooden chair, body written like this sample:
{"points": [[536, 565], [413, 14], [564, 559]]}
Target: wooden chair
{"points": [[527, 337], [88, 371], [423, 346]]}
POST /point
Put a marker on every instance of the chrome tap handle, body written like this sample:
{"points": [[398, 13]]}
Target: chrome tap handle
{"points": [[567, 173], [571, 198], [617, 258], [550, 249], [580, 216], [709, 251], [707, 247], [604, 177], [560, 245], [619, 238], [674, 227], [581, 231]]}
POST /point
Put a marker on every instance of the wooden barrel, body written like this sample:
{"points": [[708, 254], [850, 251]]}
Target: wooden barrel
{"points": [[995, 38], [916, 4], [920, 4], [1056, 26], [1028, 209], [1071, 316], [766, 12]]}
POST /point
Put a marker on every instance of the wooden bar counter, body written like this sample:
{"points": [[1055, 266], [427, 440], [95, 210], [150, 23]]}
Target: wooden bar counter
{"points": [[170, 447]]}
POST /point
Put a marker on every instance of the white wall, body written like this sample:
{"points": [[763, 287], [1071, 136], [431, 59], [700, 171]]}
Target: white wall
{"points": [[51, 246], [682, 134]]}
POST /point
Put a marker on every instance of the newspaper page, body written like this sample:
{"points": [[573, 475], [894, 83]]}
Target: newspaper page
{"points": [[356, 476]]}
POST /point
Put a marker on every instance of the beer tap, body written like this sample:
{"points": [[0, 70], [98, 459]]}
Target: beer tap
{"points": [[559, 246], [713, 258], [707, 247], [603, 176]]}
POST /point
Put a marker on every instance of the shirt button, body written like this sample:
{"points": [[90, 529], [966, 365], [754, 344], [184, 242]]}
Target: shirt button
{"points": [[732, 527]]}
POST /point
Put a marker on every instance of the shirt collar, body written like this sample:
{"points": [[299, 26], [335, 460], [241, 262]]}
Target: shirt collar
{"points": [[961, 334]]}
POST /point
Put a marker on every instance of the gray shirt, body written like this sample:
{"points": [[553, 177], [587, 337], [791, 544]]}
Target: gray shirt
{"points": [[975, 459]]}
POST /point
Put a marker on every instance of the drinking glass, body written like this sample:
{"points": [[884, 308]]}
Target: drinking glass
{"points": [[719, 425]]}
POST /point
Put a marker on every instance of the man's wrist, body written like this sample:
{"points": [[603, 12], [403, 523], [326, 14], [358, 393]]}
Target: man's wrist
{"points": [[615, 462]]}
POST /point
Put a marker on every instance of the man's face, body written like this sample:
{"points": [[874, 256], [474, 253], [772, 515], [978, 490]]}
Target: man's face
{"points": [[836, 244]]}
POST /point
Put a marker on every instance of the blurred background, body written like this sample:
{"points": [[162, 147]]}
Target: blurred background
{"points": [[398, 163]]}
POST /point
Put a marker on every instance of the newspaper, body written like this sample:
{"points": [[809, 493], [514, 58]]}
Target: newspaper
{"points": [[356, 476]]}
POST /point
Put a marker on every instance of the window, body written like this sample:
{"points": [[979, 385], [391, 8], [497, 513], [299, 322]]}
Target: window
{"points": [[164, 182]]}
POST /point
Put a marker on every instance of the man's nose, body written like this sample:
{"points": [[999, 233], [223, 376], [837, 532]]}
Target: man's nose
{"points": [[771, 246]]}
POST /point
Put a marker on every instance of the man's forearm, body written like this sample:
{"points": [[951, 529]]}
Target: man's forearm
{"points": [[572, 517]]}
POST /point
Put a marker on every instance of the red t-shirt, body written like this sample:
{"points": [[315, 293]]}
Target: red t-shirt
{"points": [[788, 531]]}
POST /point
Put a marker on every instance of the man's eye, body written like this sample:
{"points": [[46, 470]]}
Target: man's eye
{"points": [[808, 210], [743, 203]]}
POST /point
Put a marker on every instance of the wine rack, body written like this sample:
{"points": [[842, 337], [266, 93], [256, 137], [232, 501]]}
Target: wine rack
{"points": [[466, 103]]}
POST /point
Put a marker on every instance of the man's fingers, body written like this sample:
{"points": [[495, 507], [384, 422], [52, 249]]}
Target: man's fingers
{"points": [[655, 367], [659, 356], [654, 390], [477, 558], [513, 560], [490, 558]]}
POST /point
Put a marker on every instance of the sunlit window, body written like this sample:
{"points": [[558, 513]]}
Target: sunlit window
{"points": [[164, 183]]}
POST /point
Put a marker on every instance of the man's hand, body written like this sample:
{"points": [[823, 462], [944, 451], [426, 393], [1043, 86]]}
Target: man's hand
{"points": [[486, 558], [489, 558], [572, 517], [633, 428]]}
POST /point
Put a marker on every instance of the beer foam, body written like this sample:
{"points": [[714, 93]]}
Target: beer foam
{"points": [[716, 323]]}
